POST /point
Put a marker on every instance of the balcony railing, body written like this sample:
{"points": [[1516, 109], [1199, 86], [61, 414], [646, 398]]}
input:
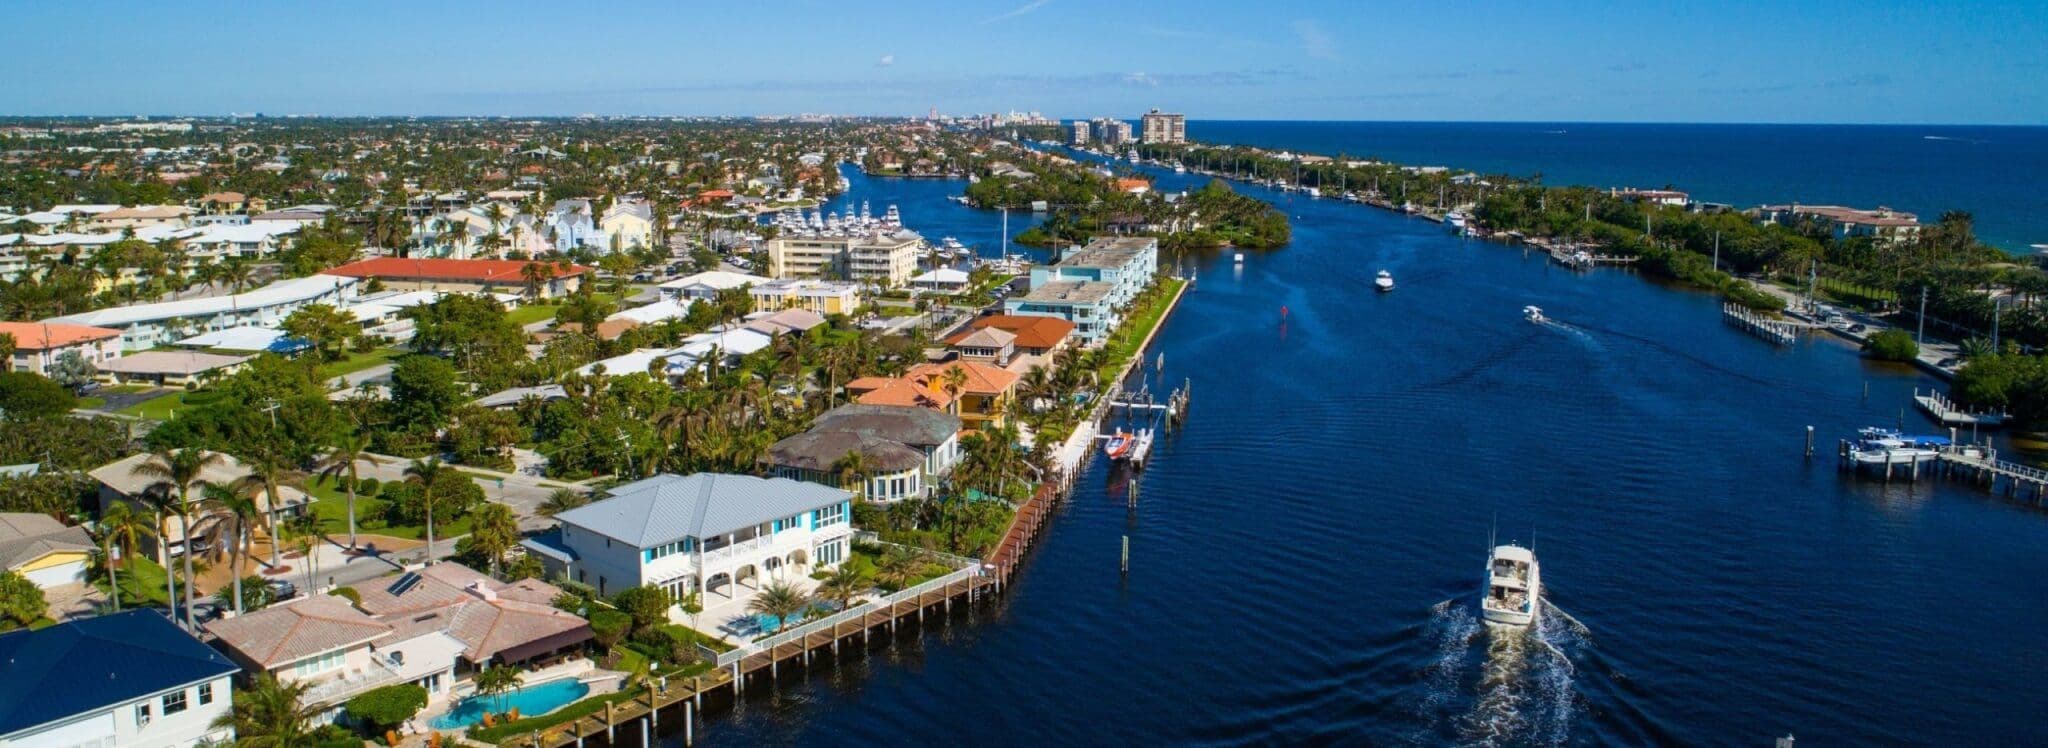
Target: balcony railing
{"points": [[720, 554], [335, 689]]}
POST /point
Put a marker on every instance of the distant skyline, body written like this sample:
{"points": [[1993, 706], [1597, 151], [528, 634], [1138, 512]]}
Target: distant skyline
{"points": [[1815, 62]]}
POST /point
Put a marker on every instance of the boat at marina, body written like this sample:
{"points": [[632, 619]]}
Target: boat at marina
{"points": [[1514, 587], [1384, 281], [1458, 222], [1533, 313], [1876, 446], [1120, 445]]}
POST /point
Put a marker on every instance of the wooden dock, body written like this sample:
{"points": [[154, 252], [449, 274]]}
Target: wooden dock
{"points": [[1944, 410], [1980, 465], [1774, 330]]}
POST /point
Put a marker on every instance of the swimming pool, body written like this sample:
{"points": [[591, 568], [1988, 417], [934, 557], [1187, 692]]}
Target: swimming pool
{"points": [[531, 701]]}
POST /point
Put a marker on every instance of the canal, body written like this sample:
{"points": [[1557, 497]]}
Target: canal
{"points": [[1306, 554]]}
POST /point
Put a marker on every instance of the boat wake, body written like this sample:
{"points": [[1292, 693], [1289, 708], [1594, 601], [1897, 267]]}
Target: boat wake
{"points": [[1525, 692], [1575, 332]]}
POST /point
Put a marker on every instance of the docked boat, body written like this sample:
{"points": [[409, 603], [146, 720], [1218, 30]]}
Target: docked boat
{"points": [[1514, 587], [1457, 221], [1240, 258], [1384, 281], [1179, 169], [1881, 447], [1314, 191], [1119, 445], [951, 244], [1533, 313]]}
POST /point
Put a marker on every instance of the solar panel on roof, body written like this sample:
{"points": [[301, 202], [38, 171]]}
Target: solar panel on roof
{"points": [[405, 582]]}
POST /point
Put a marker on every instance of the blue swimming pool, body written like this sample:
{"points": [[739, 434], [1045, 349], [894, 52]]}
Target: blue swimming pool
{"points": [[531, 701]]}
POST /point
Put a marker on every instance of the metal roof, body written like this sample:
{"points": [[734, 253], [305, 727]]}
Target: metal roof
{"points": [[665, 507], [90, 664]]}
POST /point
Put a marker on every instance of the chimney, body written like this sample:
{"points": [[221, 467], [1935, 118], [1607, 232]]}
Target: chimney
{"points": [[483, 591]]}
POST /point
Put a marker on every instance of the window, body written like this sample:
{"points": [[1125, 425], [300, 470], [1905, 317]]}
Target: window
{"points": [[174, 703], [142, 714], [666, 549], [831, 515], [205, 694], [318, 663]]}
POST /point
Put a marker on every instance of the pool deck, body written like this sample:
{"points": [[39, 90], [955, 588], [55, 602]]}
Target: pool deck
{"points": [[582, 669]]}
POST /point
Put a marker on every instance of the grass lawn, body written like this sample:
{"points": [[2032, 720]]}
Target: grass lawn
{"points": [[142, 582], [528, 314], [1123, 344], [91, 403], [158, 408], [331, 506], [355, 362]]}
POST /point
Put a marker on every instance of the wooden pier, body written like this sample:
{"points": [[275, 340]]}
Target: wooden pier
{"points": [[1774, 330], [1980, 465], [1944, 410]]}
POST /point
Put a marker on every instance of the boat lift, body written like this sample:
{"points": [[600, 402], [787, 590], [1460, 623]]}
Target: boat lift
{"points": [[1160, 416]]}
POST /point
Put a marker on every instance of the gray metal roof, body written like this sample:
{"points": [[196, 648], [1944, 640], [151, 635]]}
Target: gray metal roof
{"points": [[917, 427], [665, 508]]}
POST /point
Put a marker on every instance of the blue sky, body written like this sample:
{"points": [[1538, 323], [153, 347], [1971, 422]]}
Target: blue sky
{"points": [[1956, 62]]}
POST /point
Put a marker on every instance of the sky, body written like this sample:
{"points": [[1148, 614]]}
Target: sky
{"points": [[1876, 61]]}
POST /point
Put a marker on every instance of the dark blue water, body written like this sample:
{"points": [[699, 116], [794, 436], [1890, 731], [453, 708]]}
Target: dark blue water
{"points": [[1306, 554], [1993, 172]]}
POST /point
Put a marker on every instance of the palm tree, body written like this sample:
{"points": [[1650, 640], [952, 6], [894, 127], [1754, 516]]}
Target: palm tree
{"points": [[779, 600], [236, 272], [424, 474], [954, 381], [240, 510], [269, 469], [844, 584], [852, 470], [349, 450], [494, 532], [176, 473], [897, 568], [498, 679], [270, 714], [121, 528], [562, 500]]}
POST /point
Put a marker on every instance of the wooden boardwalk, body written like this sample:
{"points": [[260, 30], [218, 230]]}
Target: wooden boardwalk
{"points": [[1982, 466]]}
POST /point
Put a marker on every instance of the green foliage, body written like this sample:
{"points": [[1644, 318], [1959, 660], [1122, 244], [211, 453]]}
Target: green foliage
{"points": [[255, 594], [1892, 345], [648, 605], [454, 494], [609, 627], [27, 396], [475, 335], [424, 393], [53, 492], [384, 708], [349, 593], [71, 370], [326, 328], [21, 601]]}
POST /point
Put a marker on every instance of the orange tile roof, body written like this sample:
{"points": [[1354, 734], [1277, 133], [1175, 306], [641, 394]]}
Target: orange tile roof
{"points": [[477, 271], [901, 392], [1032, 331], [982, 379], [42, 336]]}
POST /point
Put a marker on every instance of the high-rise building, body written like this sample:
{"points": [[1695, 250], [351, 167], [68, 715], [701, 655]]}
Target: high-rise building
{"points": [[1080, 136], [1111, 131], [1162, 127]]}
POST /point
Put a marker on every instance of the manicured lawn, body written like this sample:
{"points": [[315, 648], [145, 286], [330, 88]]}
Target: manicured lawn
{"points": [[142, 582], [157, 409], [331, 506], [1123, 344], [528, 314], [355, 362], [91, 403]]}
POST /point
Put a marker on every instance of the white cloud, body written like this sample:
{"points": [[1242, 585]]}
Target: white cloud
{"points": [[1315, 42], [886, 61], [1018, 11], [1140, 79]]}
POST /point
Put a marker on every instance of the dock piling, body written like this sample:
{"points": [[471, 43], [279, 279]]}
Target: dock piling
{"points": [[1809, 442], [1126, 563]]}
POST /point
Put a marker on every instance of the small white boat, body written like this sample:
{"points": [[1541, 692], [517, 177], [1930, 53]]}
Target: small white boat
{"points": [[1314, 191], [1179, 169], [1240, 258], [1514, 587], [1384, 281], [1533, 313], [951, 244]]}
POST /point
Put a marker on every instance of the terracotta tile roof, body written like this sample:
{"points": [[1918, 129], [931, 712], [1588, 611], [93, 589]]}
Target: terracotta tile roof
{"points": [[39, 336], [489, 617], [288, 632], [509, 272], [982, 379], [1032, 331], [901, 392]]}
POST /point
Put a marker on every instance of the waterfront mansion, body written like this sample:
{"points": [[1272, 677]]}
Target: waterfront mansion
{"points": [[723, 535]]}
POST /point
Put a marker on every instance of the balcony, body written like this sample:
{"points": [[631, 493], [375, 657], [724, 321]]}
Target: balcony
{"points": [[352, 682], [758, 543]]}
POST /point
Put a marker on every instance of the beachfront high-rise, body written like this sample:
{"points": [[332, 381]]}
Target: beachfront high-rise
{"points": [[1163, 127], [1080, 133], [1112, 131]]}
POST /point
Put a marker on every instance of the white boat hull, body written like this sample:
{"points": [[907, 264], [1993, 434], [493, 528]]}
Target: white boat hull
{"points": [[1511, 618]]}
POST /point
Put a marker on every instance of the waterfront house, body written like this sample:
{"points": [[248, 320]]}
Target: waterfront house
{"points": [[46, 552], [986, 345], [1034, 335], [426, 627], [903, 450], [1662, 198], [464, 276], [38, 345], [715, 533], [118, 483], [982, 400], [1883, 224], [124, 679]]}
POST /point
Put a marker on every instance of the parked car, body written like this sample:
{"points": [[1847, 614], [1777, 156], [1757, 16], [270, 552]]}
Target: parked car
{"points": [[282, 590]]}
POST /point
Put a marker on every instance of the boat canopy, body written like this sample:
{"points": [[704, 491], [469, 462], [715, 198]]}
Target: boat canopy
{"points": [[1513, 553]]}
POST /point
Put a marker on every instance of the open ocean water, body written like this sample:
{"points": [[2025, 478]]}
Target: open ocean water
{"points": [[1307, 553]]}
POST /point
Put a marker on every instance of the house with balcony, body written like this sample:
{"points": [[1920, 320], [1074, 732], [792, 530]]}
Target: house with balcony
{"points": [[904, 451], [722, 535], [980, 394], [122, 679]]}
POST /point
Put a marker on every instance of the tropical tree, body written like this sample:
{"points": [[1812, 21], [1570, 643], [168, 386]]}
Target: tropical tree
{"points": [[498, 679], [350, 450], [779, 600], [239, 510], [270, 714], [562, 500], [424, 473], [844, 584], [852, 469], [494, 532], [897, 568], [175, 475], [269, 470], [21, 601], [122, 529]]}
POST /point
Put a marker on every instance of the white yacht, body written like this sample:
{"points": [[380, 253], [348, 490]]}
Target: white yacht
{"points": [[1240, 258], [1384, 281], [1533, 313], [1514, 587]]}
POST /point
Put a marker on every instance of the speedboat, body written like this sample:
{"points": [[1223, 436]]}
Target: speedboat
{"points": [[1384, 281], [1514, 587], [1533, 313], [1119, 444], [1877, 446]]}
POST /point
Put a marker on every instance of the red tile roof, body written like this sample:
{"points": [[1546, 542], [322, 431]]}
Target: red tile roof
{"points": [[1033, 332], [475, 271], [42, 336]]}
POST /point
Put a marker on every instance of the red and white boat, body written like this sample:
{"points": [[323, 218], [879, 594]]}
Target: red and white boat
{"points": [[1120, 444]]}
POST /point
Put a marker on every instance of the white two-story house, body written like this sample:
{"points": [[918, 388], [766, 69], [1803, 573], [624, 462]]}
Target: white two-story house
{"points": [[125, 679], [723, 535]]}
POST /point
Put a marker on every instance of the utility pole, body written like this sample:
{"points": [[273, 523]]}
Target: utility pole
{"points": [[1920, 335], [1717, 250], [1812, 282], [1996, 307]]}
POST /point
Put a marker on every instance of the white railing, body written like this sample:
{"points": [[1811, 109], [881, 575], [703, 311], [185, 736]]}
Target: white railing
{"points": [[858, 612], [720, 554], [335, 689]]}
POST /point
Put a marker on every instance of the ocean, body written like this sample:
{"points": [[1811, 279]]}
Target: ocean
{"points": [[1992, 172]]}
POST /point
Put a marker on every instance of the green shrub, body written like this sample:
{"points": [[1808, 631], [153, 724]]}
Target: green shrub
{"points": [[384, 708], [609, 627], [1892, 345], [350, 593], [368, 487]]}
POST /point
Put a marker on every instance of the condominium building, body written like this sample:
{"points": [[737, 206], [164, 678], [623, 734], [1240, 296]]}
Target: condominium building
{"points": [[1883, 224], [145, 326], [1112, 131], [1080, 133], [1162, 127], [886, 259], [1091, 285]]}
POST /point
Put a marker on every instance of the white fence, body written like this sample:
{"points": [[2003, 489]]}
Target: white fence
{"points": [[829, 623]]}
